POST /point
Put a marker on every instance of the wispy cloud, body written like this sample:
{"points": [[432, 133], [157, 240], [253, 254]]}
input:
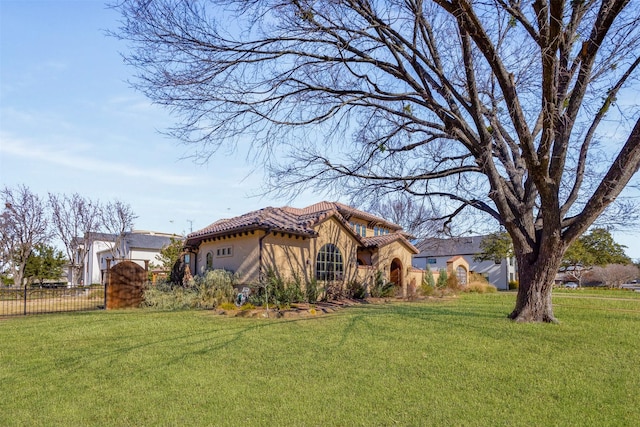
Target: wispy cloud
{"points": [[70, 157]]}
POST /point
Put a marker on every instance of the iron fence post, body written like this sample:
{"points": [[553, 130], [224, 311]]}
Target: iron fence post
{"points": [[25, 299]]}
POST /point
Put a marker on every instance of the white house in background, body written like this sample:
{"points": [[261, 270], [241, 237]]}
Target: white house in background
{"points": [[434, 254], [137, 246]]}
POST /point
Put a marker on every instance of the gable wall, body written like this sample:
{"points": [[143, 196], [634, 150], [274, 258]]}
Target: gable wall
{"points": [[393, 250], [243, 259], [151, 255], [333, 231], [370, 231]]}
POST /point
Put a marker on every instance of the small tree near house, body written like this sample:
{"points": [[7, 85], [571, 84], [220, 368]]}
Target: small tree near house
{"points": [[45, 264], [442, 279]]}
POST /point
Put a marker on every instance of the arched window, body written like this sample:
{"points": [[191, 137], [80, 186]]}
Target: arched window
{"points": [[209, 264], [461, 275], [329, 264]]}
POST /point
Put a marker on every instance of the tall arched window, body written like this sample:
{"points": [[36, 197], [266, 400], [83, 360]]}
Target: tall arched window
{"points": [[329, 265], [209, 264], [461, 275]]}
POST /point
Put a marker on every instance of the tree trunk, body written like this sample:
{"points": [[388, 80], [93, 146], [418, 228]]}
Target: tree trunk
{"points": [[536, 278], [18, 275]]}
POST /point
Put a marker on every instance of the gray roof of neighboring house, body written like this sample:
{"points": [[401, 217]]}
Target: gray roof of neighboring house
{"points": [[468, 245], [138, 240], [147, 241]]}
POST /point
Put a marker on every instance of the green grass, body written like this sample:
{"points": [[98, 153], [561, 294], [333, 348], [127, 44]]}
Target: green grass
{"points": [[459, 362]]}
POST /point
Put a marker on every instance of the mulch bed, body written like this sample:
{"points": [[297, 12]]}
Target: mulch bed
{"points": [[297, 310], [300, 310]]}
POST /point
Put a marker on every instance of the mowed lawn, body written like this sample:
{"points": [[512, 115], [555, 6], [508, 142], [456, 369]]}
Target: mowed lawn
{"points": [[458, 362]]}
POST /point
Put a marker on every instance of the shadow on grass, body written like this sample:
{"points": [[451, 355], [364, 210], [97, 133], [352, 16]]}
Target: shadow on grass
{"points": [[227, 333]]}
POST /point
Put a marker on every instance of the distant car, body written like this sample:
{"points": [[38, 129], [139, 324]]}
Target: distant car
{"points": [[571, 285]]}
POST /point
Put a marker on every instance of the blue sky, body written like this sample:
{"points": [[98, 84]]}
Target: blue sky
{"points": [[69, 122]]}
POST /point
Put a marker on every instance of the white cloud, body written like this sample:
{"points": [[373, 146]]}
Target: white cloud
{"points": [[70, 157]]}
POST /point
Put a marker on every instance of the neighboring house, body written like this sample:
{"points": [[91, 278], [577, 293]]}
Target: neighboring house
{"points": [[141, 247], [327, 242], [434, 254]]}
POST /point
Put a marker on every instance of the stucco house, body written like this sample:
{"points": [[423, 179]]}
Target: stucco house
{"points": [[435, 253], [141, 247], [327, 241]]}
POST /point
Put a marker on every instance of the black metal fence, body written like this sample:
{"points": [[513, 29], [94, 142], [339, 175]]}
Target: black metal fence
{"points": [[34, 300]]}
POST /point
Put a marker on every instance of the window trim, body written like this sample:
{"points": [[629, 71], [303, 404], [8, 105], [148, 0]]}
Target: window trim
{"points": [[224, 252], [329, 263]]}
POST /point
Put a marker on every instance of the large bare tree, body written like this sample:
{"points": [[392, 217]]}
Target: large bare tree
{"points": [[24, 225], [75, 221], [522, 110], [417, 218]]}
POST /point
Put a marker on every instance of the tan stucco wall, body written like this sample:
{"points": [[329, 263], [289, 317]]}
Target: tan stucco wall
{"points": [[390, 252], [288, 256], [333, 231], [244, 259], [456, 262]]}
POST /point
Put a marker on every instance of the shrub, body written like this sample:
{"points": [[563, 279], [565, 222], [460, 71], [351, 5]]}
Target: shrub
{"points": [[428, 279], [247, 306], [477, 277], [481, 287], [356, 289], [428, 285], [333, 290], [513, 284], [169, 299], [452, 282], [311, 291], [381, 288], [227, 306], [275, 291], [442, 279], [427, 290], [292, 292], [208, 291], [214, 288]]}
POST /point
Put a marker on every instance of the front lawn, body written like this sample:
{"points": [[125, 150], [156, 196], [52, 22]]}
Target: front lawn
{"points": [[458, 362]]}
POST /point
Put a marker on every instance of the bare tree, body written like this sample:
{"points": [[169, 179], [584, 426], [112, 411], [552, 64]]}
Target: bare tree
{"points": [[612, 275], [6, 244], [415, 216], [25, 224], [499, 106], [75, 220], [117, 219]]}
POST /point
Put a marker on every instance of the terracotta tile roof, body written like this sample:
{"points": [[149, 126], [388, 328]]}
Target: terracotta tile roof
{"points": [[379, 241], [348, 211], [297, 221], [275, 219]]}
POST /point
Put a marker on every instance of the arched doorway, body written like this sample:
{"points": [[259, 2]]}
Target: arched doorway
{"points": [[396, 273]]}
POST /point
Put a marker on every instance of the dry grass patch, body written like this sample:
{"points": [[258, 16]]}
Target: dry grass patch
{"points": [[478, 284]]}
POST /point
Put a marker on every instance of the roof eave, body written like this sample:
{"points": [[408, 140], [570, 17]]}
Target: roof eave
{"points": [[195, 241]]}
